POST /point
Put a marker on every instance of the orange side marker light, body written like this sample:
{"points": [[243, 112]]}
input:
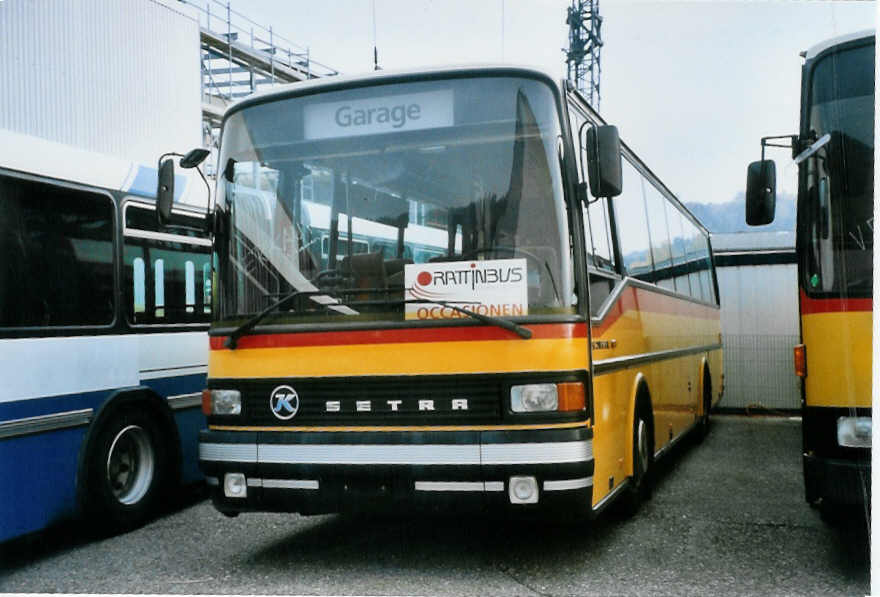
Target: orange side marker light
{"points": [[572, 396], [800, 360], [206, 402]]}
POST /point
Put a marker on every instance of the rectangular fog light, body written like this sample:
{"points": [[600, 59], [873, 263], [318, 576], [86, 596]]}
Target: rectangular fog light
{"points": [[854, 432], [225, 402], [234, 485], [523, 490]]}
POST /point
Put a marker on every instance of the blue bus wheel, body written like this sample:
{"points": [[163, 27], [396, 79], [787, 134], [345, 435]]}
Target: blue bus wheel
{"points": [[127, 469]]}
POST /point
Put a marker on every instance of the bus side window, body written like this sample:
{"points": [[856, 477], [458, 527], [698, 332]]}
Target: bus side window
{"points": [[190, 269], [705, 264], [632, 225], [600, 230], [661, 250], [140, 290], [61, 241], [676, 221], [159, 292], [167, 280], [174, 288], [206, 287], [692, 256]]}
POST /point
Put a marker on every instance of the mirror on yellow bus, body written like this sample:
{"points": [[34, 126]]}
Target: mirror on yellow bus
{"points": [[603, 161], [761, 193]]}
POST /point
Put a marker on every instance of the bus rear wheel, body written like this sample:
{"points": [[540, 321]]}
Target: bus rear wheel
{"points": [[126, 471], [704, 424]]}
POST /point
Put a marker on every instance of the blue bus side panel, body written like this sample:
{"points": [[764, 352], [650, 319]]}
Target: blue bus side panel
{"points": [[38, 475], [38, 472], [189, 422]]}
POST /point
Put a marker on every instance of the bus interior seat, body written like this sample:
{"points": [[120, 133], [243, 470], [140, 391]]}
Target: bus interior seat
{"points": [[394, 269], [367, 270]]}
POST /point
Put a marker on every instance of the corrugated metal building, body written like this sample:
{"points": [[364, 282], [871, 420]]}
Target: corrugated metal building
{"points": [[119, 78], [757, 283]]}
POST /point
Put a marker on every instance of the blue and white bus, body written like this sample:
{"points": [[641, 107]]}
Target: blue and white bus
{"points": [[103, 345]]}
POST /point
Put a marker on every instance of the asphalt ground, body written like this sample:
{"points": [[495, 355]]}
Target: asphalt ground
{"points": [[727, 518]]}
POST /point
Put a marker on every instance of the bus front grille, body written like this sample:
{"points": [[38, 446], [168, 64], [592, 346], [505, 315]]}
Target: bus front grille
{"points": [[425, 400]]}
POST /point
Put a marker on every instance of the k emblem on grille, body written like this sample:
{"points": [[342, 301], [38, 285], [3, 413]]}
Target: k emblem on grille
{"points": [[284, 402]]}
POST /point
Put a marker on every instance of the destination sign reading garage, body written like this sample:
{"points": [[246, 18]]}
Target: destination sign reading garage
{"points": [[372, 116]]}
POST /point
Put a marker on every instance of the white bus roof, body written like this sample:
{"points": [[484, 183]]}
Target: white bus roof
{"points": [[40, 157], [379, 76], [828, 43]]}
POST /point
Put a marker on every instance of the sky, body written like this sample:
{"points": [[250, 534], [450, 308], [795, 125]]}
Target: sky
{"points": [[691, 86]]}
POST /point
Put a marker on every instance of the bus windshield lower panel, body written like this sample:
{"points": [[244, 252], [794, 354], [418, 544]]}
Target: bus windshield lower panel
{"points": [[372, 202]]}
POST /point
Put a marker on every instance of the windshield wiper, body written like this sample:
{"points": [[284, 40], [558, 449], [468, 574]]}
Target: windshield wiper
{"points": [[517, 329], [523, 332], [232, 339]]}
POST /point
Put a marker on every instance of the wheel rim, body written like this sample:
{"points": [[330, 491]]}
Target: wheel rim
{"points": [[642, 448], [130, 464]]}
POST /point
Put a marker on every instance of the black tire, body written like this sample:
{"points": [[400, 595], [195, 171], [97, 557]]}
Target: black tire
{"points": [[640, 486], [127, 469], [704, 423]]}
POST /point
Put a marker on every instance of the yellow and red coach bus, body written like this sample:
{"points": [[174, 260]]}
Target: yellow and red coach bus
{"points": [[835, 245], [418, 302]]}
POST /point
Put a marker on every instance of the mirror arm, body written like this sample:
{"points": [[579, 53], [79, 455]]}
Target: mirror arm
{"points": [[208, 187], [581, 149], [166, 155], [792, 143]]}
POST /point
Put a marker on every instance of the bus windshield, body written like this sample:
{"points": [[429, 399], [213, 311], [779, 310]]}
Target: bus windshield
{"points": [[838, 220], [370, 201]]}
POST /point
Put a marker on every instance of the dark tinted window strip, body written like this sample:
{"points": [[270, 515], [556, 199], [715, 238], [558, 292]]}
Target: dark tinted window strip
{"points": [[737, 259]]}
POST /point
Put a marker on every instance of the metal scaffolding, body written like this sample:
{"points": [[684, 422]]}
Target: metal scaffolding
{"points": [[584, 48], [239, 57]]}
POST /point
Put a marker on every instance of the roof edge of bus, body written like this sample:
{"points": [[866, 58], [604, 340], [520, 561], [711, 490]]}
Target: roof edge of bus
{"points": [[36, 156], [382, 75], [820, 47]]}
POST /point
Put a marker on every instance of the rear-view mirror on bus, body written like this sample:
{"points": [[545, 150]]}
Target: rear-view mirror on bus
{"points": [[194, 157], [165, 191], [604, 161], [761, 193]]}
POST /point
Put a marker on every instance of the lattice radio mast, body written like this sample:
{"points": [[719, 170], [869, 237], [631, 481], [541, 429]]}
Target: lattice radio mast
{"points": [[584, 48]]}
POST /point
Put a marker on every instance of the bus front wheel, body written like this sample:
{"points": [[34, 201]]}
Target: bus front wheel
{"points": [[126, 471], [643, 460]]}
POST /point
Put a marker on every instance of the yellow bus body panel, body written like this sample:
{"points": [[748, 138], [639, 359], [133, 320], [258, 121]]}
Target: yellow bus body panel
{"points": [[838, 358], [421, 358], [674, 384]]}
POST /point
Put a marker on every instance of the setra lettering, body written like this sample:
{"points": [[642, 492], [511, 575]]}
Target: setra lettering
{"points": [[366, 406]]}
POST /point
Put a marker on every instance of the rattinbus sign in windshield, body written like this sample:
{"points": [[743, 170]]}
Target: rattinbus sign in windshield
{"points": [[371, 116], [491, 287]]}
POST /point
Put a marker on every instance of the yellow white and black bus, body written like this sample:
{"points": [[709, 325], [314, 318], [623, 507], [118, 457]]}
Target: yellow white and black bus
{"points": [[515, 343], [835, 244]]}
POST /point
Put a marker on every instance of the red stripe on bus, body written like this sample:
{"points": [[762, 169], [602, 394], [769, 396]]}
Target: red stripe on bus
{"points": [[810, 306], [408, 335], [643, 300]]}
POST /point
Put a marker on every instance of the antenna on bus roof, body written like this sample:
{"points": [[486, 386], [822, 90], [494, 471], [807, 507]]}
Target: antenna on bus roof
{"points": [[375, 48]]}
